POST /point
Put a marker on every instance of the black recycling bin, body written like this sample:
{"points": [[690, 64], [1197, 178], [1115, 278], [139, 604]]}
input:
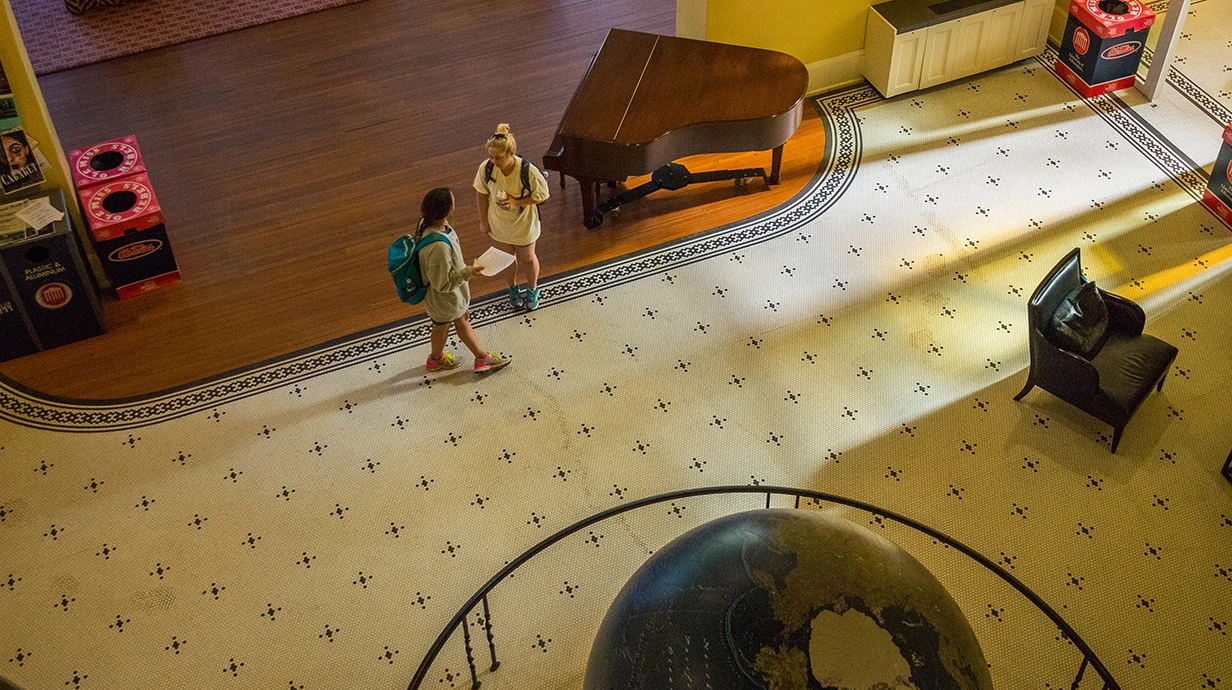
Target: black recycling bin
{"points": [[47, 291], [16, 334]]}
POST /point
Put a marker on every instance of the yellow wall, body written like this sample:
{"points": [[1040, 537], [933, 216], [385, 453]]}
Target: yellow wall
{"points": [[811, 30], [33, 111], [1060, 15]]}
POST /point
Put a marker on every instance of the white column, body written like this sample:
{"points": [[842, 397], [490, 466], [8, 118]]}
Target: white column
{"points": [[691, 19], [1165, 48]]}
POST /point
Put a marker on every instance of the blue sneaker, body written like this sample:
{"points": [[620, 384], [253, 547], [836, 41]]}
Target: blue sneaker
{"points": [[516, 300], [532, 299]]}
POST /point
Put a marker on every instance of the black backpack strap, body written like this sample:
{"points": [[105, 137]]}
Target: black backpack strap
{"points": [[487, 172], [526, 168]]}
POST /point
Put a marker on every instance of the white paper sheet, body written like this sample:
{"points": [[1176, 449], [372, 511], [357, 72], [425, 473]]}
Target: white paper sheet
{"points": [[493, 261], [39, 213]]}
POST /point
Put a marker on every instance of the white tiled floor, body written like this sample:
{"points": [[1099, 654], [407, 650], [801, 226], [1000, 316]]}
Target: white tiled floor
{"points": [[871, 352]]}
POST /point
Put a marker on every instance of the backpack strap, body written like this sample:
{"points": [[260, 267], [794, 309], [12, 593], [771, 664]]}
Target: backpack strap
{"points": [[527, 166], [430, 237]]}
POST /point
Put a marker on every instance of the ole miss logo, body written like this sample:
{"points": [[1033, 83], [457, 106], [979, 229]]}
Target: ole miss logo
{"points": [[1082, 41], [87, 171], [136, 250], [1121, 50], [53, 295], [141, 191]]}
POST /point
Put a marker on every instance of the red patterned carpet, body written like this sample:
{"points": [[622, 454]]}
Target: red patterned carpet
{"points": [[58, 40]]}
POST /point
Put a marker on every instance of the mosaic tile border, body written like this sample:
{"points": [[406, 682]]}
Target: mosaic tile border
{"points": [[840, 163], [29, 408]]}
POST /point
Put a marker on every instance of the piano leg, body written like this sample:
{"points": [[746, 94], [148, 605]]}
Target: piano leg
{"points": [[776, 164], [589, 192]]}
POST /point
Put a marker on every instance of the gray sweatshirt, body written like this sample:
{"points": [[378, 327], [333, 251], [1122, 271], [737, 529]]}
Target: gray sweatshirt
{"points": [[449, 293]]}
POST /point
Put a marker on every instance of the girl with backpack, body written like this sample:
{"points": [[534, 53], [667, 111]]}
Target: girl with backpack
{"points": [[509, 190], [448, 296]]}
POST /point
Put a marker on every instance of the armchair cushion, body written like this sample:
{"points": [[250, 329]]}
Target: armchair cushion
{"points": [[1128, 367], [1080, 321]]}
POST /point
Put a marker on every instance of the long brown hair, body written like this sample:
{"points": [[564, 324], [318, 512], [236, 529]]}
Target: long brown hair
{"points": [[435, 207]]}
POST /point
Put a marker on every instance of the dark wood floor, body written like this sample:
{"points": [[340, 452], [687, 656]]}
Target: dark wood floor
{"points": [[287, 156]]}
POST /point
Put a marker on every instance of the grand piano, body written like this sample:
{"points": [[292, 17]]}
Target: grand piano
{"points": [[647, 100]]}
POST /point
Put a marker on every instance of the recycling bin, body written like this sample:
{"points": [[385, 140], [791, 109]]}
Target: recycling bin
{"points": [[1218, 194], [130, 237], [105, 162], [1103, 44], [16, 332], [46, 289]]}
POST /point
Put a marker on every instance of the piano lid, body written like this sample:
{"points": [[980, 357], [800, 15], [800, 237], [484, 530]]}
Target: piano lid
{"points": [[642, 86]]}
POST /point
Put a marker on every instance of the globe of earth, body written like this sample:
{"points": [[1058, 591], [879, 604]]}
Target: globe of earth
{"points": [[784, 600]]}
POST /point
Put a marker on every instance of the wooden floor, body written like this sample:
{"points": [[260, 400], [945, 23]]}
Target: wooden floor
{"points": [[287, 156]]}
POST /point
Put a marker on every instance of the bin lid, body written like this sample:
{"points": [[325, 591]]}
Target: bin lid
{"points": [[1112, 18], [106, 161], [113, 207]]}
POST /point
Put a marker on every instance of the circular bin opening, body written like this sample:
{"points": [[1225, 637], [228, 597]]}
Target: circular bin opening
{"points": [[37, 255], [1113, 6], [107, 160], [119, 202]]}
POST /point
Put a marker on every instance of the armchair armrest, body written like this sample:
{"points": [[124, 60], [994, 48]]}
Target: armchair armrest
{"points": [[1124, 315], [1064, 374]]}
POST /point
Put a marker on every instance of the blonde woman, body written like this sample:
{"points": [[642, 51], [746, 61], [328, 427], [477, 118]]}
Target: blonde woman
{"points": [[509, 190]]}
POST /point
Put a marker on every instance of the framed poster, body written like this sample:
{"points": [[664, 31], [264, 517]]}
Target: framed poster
{"points": [[19, 162], [20, 168]]}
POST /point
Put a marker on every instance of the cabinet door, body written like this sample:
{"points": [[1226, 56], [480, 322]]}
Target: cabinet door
{"points": [[905, 67], [1001, 38], [891, 60], [1033, 31], [969, 39], [938, 54]]}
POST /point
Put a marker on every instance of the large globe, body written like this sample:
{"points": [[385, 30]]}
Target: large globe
{"points": [[784, 600]]}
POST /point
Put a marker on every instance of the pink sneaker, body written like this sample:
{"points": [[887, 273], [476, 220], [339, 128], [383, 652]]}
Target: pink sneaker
{"points": [[447, 361], [490, 362]]}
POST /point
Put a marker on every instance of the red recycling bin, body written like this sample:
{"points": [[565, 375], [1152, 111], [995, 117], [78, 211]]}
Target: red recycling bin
{"points": [[126, 222], [1218, 194], [106, 162], [1103, 44]]}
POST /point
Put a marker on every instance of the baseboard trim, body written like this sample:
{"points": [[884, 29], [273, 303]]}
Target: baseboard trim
{"points": [[836, 72]]}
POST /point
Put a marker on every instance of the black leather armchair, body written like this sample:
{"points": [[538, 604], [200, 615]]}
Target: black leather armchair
{"points": [[1111, 383]]}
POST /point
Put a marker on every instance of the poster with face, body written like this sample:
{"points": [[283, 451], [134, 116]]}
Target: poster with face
{"points": [[20, 169]]}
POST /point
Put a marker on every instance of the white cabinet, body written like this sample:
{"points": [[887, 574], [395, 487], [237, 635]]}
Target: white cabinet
{"points": [[908, 54], [1033, 35], [898, 63], [1001, 37], [970, 44], [893, 64], [939, 55]]}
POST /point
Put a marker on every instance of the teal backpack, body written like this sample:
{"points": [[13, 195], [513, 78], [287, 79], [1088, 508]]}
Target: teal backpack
{"points": [[404, 266]]}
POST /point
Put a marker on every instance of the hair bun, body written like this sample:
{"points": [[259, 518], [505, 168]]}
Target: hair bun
{"points": [[502, 128]]}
